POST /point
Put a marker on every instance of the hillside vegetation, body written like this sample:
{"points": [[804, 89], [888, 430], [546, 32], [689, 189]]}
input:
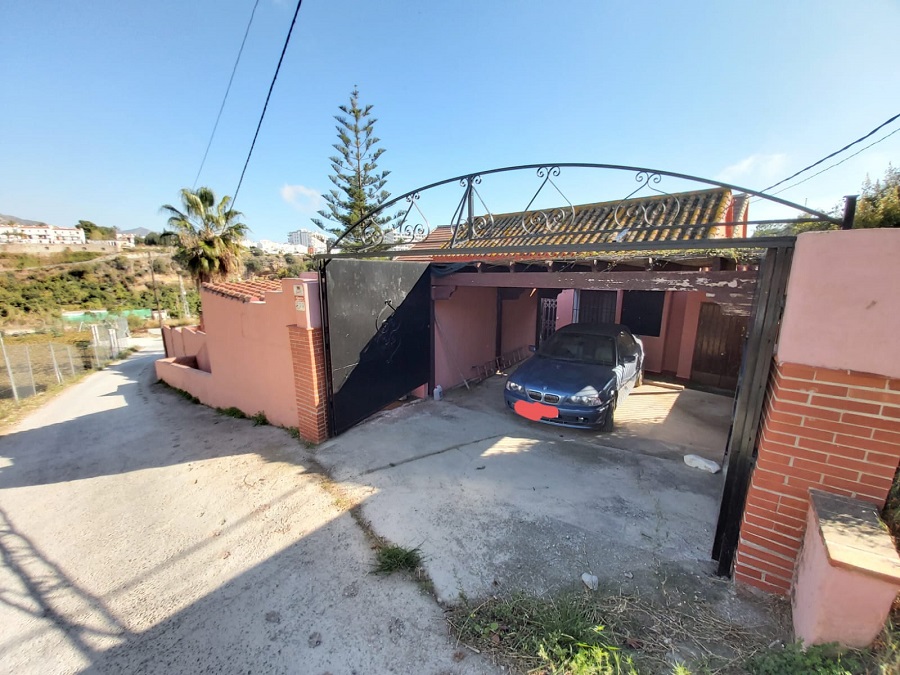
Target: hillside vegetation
{"points": [[35, 290], [34, 296]]}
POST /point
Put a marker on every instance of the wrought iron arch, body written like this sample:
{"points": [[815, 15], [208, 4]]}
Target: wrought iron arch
{"points": [[472, 220]]}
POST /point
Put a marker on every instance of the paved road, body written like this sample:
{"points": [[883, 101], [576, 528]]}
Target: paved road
{"points": [[140, 533]]}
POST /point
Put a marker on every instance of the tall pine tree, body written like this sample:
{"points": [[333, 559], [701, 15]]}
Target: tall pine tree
{"points": [[358, 185]]}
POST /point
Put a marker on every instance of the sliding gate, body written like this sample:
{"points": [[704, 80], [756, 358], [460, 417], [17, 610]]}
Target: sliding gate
{"points": [[377, 334]]}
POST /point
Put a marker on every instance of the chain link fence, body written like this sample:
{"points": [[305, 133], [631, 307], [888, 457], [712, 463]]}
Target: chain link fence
{"points": [[29, 369]]}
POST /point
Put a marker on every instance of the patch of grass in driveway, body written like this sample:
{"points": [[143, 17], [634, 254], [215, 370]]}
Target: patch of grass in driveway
{"points": [[613, 633], [567, 634], [390, 558]]}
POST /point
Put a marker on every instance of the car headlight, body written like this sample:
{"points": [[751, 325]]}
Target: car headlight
{"points": [[586, 400], [588, 396], [513, 386]]}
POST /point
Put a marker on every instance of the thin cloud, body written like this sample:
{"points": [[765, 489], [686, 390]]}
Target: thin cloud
{"points": [[306, 200], [755, 170]]}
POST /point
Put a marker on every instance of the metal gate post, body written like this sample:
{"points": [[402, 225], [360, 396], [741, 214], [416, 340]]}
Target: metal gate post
{"points": [[55, 365], [12, 380], [30, 370], [749, 403], [326, 347]]}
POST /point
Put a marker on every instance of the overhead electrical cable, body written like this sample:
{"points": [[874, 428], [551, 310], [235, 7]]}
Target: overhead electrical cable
{"points": [[268, 96], [831, 166], [836, 152], [227, 90]]}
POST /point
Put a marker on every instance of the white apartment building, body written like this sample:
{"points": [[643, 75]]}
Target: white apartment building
{"points": [[40, 234], [312, 242]]}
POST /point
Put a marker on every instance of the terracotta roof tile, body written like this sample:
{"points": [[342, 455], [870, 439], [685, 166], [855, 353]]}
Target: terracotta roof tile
{"points": [[245, 291], [684, 216]]}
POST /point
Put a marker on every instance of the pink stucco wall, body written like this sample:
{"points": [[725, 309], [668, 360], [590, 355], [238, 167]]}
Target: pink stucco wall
{"points": [[857, 271], [834, 604], [519, 322], [565, 305], [672, 349], [464, 334], [246, 352], [654, 347], [690, 322]]}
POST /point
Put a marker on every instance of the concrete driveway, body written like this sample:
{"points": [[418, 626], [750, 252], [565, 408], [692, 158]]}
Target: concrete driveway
{"points": [[141, 533], [495, 501]]}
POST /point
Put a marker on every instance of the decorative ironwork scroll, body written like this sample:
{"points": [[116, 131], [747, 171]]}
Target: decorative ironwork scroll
{"points": [[647, 214], [539, 222], [407, 233]]}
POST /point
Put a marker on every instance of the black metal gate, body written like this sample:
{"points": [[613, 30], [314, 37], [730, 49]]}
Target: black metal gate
{"points": [[377, 335], [547, 325]]}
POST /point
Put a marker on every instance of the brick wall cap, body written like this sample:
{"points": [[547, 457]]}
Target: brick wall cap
{"points": [[854, 536]]}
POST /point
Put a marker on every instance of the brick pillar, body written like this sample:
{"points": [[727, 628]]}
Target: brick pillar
{"points": [[834, 430], [308, 357]]}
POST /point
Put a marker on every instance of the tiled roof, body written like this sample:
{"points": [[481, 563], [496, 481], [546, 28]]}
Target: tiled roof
{"points": [[684, 216], [245, 291], [439, 237]]}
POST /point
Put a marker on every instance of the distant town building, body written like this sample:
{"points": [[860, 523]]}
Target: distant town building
{"points": [[40, 234], [312, 242], [126, 240]]}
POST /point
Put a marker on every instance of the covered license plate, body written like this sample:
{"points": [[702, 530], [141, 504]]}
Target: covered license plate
{"points": [[535, 411]]}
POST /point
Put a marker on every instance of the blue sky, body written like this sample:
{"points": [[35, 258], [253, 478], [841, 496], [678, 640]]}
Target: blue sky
{"points": [[108, 105]]}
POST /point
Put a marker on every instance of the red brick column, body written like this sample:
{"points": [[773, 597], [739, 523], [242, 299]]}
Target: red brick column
{"points": [[834, 430], [308, 356]]}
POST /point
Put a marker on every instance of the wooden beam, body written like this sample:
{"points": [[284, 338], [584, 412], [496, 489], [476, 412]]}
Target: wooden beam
{"points": [[737, 283]]}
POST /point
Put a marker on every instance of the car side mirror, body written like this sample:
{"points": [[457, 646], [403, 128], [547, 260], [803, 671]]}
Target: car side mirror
{"points": [[532, 348]]}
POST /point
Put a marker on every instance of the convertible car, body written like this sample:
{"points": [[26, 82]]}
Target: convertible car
{"points": [[578, 376]]}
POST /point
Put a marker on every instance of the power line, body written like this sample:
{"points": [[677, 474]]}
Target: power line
{"points": [[836, 152], [831, 166], [228, 89], [266, 105]]}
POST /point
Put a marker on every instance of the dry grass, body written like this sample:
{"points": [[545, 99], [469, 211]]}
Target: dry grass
{"points": [[12, 413], [621, 632]]}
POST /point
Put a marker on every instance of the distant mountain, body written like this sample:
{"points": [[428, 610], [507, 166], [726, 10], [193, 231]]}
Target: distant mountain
{"points": [[137, 231], [14, 220]]}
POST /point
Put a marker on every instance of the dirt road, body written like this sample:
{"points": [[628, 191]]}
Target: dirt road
{"points": [[140, 533]]}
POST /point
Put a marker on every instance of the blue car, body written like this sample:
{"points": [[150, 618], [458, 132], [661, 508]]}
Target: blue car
{"points": [[578, 376]]}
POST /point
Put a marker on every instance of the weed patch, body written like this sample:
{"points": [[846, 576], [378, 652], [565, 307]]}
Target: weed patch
{"points": [[260, 419], [391, 558], [816, 660], [581, 633], [236, 413], [567, 634]]}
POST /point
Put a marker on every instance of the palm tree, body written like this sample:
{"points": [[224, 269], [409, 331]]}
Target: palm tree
{"points": [[208, 235]]}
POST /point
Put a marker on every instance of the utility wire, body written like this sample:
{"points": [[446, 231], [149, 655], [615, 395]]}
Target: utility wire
{"points": [[836, 152], [831, 166], [287, 41], [228, 89]]}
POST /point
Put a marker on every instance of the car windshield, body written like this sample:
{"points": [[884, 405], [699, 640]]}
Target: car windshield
{"points": [[583, 347]]}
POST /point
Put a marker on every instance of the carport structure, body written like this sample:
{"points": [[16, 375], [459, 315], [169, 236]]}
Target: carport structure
{"points": [[416, 306]]}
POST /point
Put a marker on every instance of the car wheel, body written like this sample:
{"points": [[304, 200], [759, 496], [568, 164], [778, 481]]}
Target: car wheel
{"points": [[640, 379], [609, 423]]}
